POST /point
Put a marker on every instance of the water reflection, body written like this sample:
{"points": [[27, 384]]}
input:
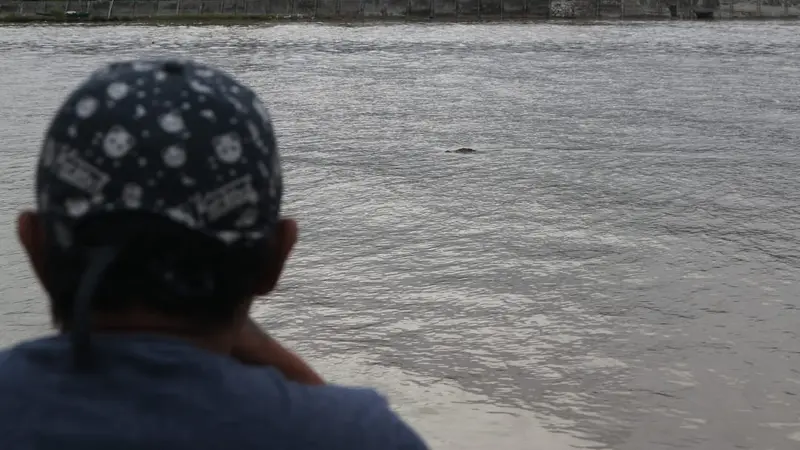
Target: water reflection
{"points": [[615, 266]]}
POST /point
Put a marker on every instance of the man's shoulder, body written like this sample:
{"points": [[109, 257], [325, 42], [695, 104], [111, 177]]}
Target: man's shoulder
{"points": [[250, 404], [4, 354], [12, 358], [325, 399], [359, 418], [334, 417]]}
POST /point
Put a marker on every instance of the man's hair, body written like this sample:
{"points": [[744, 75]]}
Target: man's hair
{"points": [[161, 267]]}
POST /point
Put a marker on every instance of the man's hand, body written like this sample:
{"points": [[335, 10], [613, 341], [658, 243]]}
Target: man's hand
{"points": [[256, 347]]}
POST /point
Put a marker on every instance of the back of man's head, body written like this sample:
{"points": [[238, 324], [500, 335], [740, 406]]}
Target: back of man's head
{"points": [[159, 190]]}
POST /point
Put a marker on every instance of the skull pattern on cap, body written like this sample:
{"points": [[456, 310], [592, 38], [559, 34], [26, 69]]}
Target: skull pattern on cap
{"points": [[174, 138]]}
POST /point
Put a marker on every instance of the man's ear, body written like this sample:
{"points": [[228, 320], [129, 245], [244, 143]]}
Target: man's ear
{"points": [[282, 246], [30, 231]]}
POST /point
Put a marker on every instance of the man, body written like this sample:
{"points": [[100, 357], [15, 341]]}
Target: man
{"points": [[158, 191]]}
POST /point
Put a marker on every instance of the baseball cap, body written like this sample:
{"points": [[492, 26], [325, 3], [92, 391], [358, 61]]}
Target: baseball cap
{"points": [[169, 138]]}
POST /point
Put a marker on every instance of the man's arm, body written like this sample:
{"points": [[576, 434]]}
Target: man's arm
{"points": [[377, 427], [403, 437], [387, 431], [256, 347]]}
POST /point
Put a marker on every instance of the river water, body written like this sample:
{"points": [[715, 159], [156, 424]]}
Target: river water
{"points": [[617, 267]]}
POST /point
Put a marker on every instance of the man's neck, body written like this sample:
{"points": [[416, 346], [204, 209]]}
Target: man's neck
{"points": [[217, 341]]}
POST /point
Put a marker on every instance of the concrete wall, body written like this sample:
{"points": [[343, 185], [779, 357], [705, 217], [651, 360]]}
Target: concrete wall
{"points": [[353, 9]]}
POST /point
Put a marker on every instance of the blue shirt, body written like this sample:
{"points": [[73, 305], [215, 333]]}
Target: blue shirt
{"points": [[161, 394]]}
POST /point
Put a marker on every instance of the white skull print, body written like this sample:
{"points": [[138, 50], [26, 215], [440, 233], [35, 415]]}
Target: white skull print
{"points": [[208, 114], [255, 136], [247, 218], [171, 122], [174, 156], [63, 235], [200, 87], [86, 107], [229, 236], [228, 147], [180, 215], [117, 142], [277, 173], [132, 195], [262, 169], [235, 102], [117, 90], [273, 187], [140, 112], [141, 66], [49, 153], [205, 73], [76, 207]]}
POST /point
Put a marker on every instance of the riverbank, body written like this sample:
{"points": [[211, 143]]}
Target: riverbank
{"points": [[194, 19], [225, 19], [229, 19]]}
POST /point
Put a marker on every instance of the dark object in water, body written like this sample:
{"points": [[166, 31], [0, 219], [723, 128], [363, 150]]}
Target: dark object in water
{"points": [[462, 150], [704, 15]]}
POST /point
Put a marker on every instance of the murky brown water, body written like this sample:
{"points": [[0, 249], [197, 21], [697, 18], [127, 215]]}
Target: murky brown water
{"points": [[618, 267]]}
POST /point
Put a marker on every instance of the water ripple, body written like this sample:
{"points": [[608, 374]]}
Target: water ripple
{"points": [[614, 269]]}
